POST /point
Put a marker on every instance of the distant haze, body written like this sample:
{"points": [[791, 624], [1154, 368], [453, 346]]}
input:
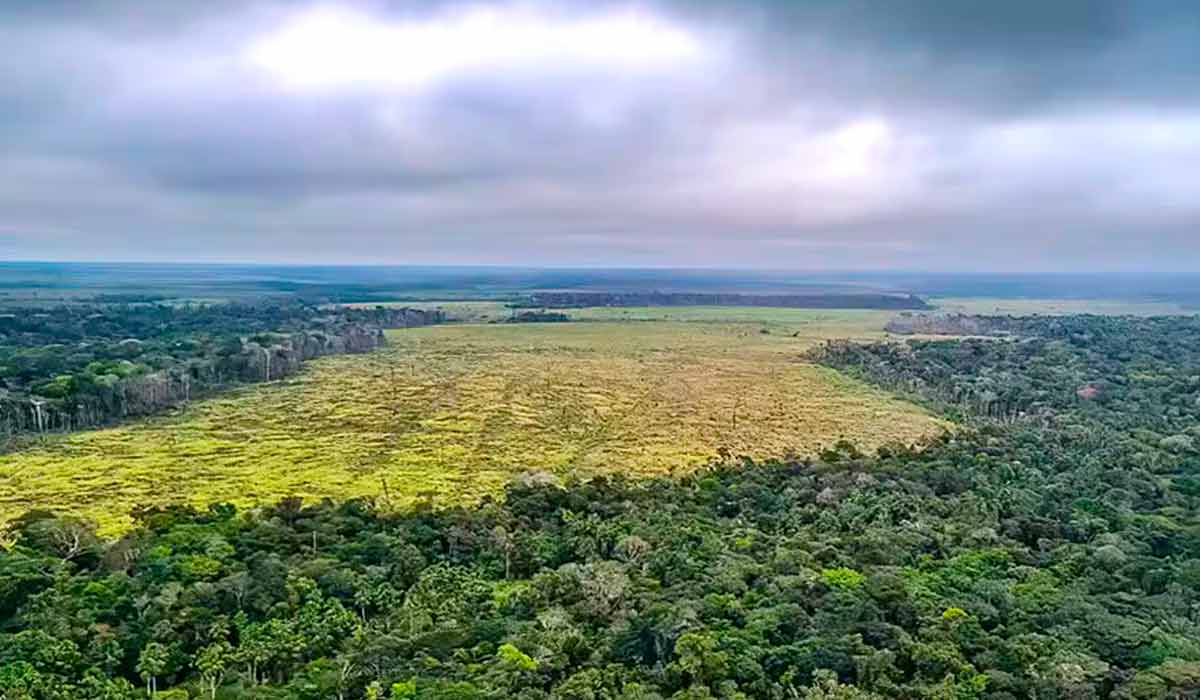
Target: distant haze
{"points": [[803, 134]]}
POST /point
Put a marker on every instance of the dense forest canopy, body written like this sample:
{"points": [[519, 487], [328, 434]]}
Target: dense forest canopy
{"points": [[1047, 548], [80, 365]]}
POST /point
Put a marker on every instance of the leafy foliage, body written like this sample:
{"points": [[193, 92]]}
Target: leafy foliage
{"points": [[1045, 550], [74, 366]]}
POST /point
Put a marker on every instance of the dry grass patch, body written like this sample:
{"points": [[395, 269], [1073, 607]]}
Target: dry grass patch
{"points": [[454, 412]]}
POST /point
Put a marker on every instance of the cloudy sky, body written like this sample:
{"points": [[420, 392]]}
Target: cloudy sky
{"points": [[919, 134]]}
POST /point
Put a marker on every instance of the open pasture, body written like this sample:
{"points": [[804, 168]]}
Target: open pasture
{"points": [[454, 412], [1060, 307]]}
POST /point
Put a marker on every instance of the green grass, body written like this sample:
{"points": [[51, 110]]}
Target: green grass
{"points": [[1058, 307], [463, 311], [840, 321], [454, 412], [816, 324]]}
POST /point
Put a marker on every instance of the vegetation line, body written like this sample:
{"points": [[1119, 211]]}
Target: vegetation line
{"points": [[77, 367], [1055, 558]]}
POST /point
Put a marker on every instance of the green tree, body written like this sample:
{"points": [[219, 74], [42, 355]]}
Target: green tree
{"points": [[825, 686], [152, 663], [212, 662]]}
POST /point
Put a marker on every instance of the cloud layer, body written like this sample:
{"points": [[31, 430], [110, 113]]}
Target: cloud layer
{"points": [[989, 136]]}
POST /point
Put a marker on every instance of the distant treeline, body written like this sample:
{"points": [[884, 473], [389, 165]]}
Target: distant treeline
{"points": [[80, 366], [1143, 372], [1076, 328], [566, 300], [538, 317]]}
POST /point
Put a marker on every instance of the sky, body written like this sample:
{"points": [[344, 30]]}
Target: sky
{"points": [[795, 134]]}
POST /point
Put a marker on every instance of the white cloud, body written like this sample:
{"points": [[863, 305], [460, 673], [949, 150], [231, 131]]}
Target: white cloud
{"points": [[533, 131], [333, 48], [1109, 162]]}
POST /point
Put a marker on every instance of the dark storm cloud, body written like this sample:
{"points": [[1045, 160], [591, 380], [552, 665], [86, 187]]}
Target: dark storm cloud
{"points": [[850, 133], [984, 55]]}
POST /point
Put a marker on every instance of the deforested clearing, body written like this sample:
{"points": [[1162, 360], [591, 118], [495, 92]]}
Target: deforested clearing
{"points": [[452, 413]]}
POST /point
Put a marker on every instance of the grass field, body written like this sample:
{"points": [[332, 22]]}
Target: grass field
{"points": [[838, 322], [454, 412], [1058, 307], [486, 311]]}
